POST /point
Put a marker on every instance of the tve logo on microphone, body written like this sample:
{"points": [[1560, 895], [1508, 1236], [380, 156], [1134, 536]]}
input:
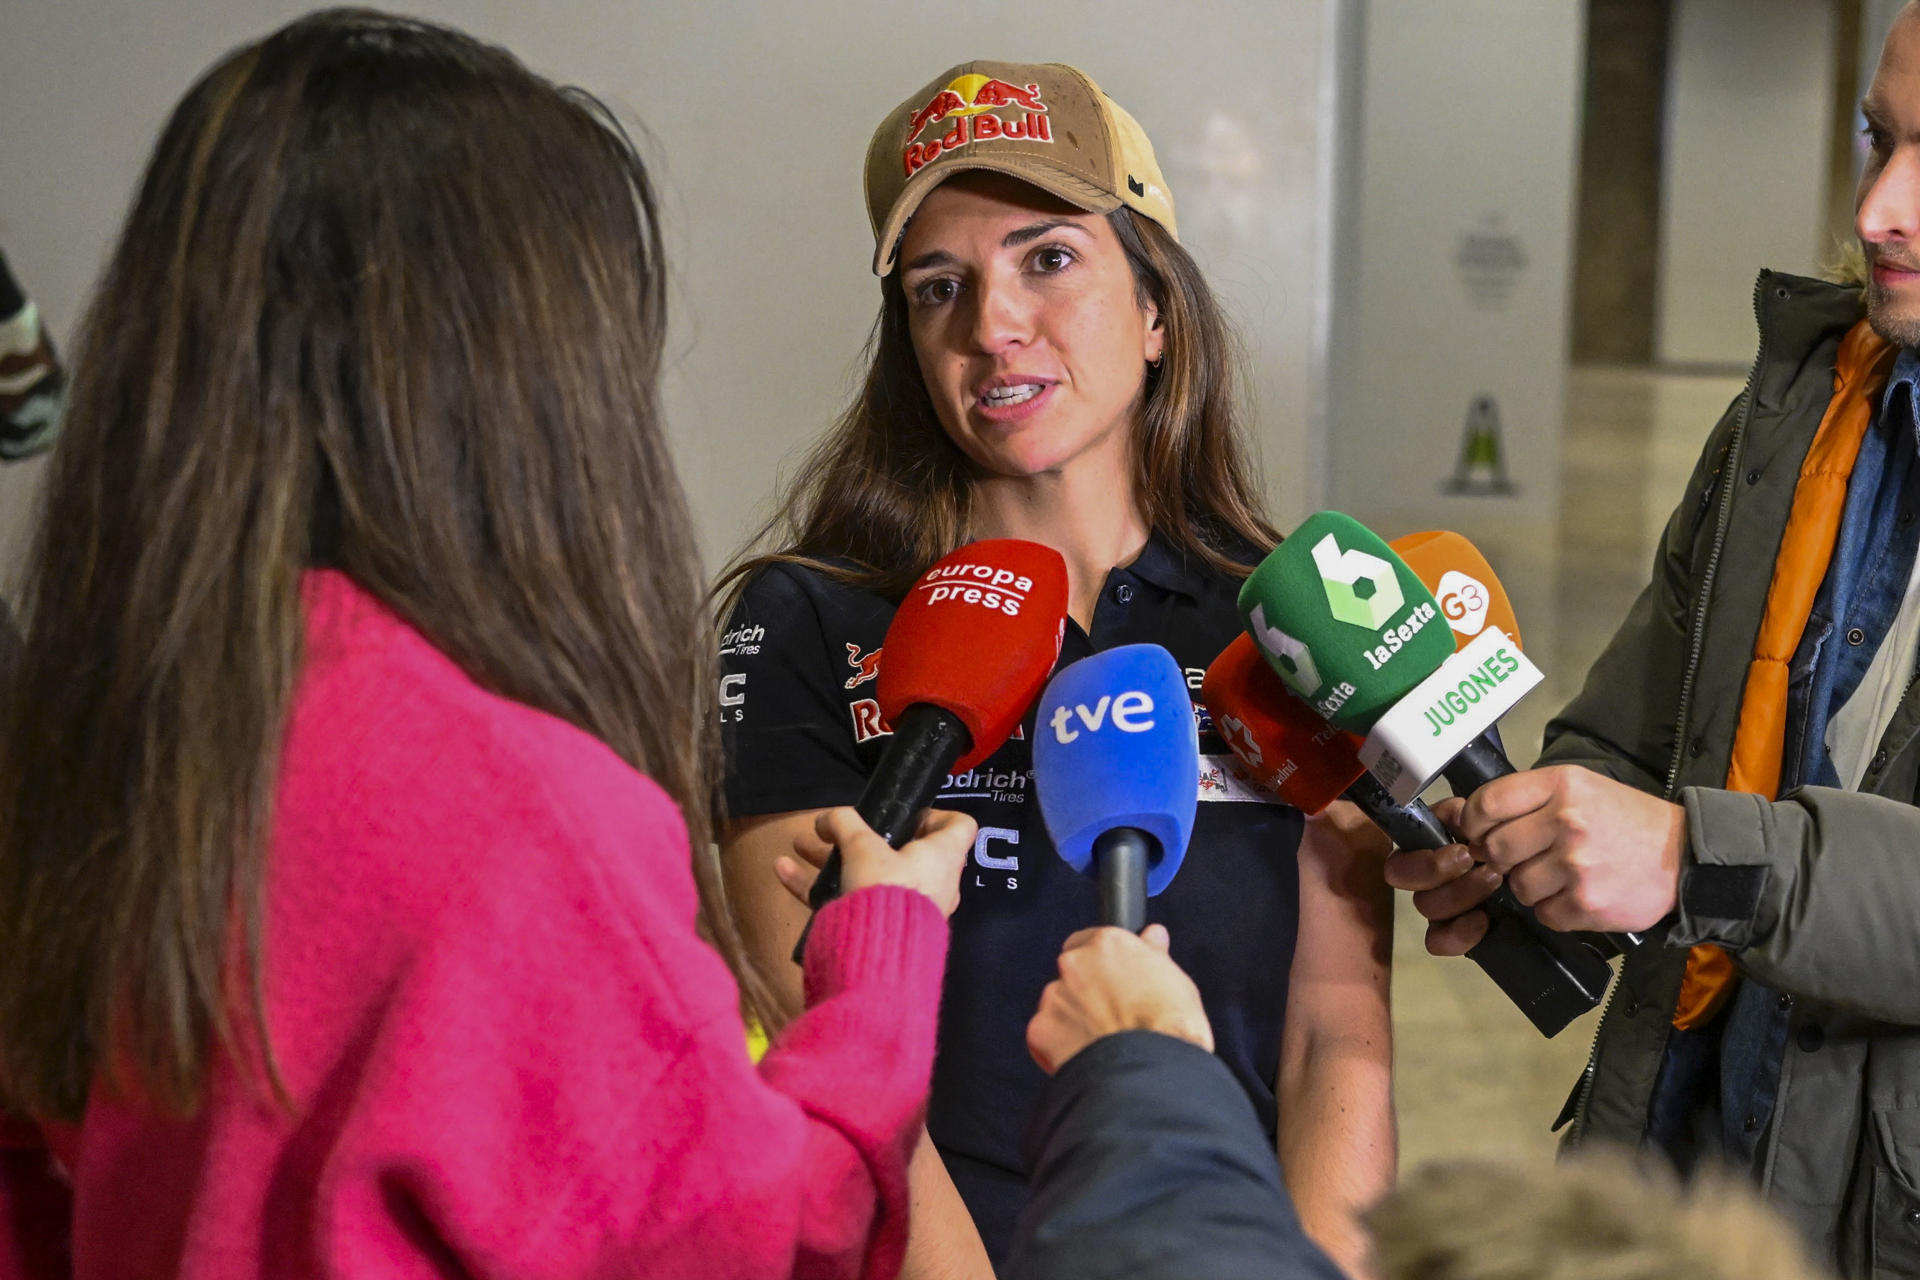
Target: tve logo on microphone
{"points": [[1129, 712], [1116, 747]]}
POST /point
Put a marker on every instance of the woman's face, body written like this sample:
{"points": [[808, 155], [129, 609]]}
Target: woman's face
{"points": [[1030, 337]]}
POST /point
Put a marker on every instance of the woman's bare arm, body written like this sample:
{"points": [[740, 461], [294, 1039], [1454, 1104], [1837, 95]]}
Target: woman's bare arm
{"points": [[1336, 1140]]}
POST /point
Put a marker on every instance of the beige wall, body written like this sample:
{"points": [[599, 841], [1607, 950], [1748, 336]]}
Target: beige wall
{"points": [[757, 117], [1459, 258]]}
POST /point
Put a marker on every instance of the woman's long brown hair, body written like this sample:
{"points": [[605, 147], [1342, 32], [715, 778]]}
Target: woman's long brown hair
{"points": [[388, 302], [885, 493]]}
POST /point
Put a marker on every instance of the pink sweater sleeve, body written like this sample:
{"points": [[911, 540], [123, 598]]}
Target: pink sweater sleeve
{"points": [[561, 1088], [861, 945]]}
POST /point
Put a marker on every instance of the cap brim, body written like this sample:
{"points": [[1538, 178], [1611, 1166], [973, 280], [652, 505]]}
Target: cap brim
{"points": [[1049, 177]]}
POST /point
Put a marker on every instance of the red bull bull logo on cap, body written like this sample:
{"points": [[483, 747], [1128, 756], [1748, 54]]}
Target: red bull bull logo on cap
{"points": [[972, 102]]}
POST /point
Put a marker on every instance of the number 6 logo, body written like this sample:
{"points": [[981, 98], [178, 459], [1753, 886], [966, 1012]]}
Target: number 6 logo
{"points": [[1343, 572]]}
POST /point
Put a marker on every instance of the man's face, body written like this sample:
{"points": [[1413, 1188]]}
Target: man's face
{"points": [[1887, 205]]}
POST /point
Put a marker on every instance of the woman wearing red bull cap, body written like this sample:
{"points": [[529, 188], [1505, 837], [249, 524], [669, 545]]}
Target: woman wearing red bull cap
{"points": [[1049, 364]]}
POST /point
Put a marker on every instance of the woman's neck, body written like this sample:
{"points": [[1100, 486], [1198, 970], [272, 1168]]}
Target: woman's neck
{"points": [[1094, 522]]}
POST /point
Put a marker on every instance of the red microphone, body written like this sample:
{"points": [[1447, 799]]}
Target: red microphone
{"points": [[967, 653], [974, 641], [1291, 751]]}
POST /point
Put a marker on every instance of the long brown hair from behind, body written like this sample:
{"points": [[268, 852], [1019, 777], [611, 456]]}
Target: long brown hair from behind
{"points": [[385, 301], [885, 493]]}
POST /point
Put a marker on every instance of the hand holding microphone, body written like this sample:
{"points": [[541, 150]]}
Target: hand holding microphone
{"points": [[1116, 766], [967, 652], [1473, 601], [1586, 851], [1111, 981], [1550, 977], [1361, 624], [931, 863]]}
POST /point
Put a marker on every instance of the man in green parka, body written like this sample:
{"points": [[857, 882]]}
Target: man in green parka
{"points": [[1740, 773]]}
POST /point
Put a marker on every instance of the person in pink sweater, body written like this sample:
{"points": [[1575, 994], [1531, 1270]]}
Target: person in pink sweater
{"points": [[356, 785]]}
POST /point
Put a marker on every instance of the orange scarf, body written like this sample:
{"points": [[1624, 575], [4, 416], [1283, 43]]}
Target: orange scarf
{"points": [[1860, 374]]}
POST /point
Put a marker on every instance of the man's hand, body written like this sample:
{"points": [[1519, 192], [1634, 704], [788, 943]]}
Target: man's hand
{"points": [[1584, 851], [1448, 887], [1112, 981]]}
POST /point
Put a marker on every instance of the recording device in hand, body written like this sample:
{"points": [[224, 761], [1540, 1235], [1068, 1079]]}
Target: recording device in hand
{"points": [[1473, 601], [1349, 626], [1116, 764], [966, 654], [1551, 977]]}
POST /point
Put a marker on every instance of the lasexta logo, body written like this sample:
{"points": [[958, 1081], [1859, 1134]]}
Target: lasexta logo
{"points": [[1362, 589]]}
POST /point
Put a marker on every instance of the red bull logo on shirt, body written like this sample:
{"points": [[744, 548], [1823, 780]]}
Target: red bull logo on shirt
{"points": [[866, 666], [979, 107]]}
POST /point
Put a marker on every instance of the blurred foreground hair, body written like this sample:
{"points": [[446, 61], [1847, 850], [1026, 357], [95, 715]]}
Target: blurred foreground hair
{"points": [[1598, 1216], [386, 301]]}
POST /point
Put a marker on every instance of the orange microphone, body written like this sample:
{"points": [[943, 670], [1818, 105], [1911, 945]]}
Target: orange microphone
{"points": [[1460, 578]]}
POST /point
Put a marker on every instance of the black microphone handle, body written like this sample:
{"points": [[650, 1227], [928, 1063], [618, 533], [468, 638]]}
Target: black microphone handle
{"points": [[1481, 763], [1550, 977], [926, 740], [1410, 826], [1121, 858]]}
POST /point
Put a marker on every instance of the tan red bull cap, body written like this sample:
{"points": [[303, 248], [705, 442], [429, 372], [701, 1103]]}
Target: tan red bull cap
{"points": [[1044, 123]]}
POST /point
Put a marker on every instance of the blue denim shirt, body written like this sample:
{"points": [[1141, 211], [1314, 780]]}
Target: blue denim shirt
{"points": [[1865, 586]]}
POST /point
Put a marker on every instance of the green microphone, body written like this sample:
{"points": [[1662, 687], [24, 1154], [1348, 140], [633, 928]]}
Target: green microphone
{"points": [[1356, 633], [1349, 627]]}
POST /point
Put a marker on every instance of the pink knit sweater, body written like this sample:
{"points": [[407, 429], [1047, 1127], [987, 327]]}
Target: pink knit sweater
{"points": [[509, 1054]]}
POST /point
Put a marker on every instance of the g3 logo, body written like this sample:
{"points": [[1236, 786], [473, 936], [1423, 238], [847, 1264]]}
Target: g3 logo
{"points": [[1465, 601]]}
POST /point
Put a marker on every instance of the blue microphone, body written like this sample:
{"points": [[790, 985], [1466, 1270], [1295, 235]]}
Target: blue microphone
{"points": [[1117, 766]]}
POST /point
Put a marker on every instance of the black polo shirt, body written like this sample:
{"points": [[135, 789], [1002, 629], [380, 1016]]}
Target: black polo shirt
{"points": [[802, 731]]}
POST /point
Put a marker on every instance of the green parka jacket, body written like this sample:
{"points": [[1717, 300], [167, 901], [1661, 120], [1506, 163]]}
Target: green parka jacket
{"points": [[1818, 894]]}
